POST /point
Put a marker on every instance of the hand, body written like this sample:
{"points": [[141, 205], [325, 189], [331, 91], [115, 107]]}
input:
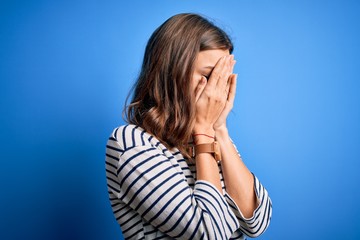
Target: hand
{"points": [[231, 89], [213, 96]]}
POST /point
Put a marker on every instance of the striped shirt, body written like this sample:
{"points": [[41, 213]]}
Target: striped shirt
{"points": [[154, 194]]}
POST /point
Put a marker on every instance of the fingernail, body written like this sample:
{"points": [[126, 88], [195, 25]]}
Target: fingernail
{"points": [[228, 58]]}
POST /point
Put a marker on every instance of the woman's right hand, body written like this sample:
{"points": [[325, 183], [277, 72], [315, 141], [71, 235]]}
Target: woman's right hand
{"points": [[212, 99]]}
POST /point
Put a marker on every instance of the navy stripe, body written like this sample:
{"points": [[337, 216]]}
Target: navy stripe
{"points": [[221, 198], [112, 199], [186, 226], [130, 218], [201, 198], [253, 233], [150, 193], [115, 133], [263, 219], [125, 213], [112, 139], [113, 157], [114, 148], [221, 208], [146, 184], [151, 232], [209, 213], [134, 234], [197, 227], [168, 203], [160, 237], [110, 172], [116, 190], [161, 196], [120, 209], [110, 164], [256, 186], [123, 136], [131, 227], [142, 137], [133, 137], [112, 180], [180, 218], [137, 166], [132, 157], [257, 212], [173, 212]]}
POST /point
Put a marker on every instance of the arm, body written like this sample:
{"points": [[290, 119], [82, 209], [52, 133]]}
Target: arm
{"points": [[251, 202], [238, 179], [249, 199], [210, 102], [148, 181]]}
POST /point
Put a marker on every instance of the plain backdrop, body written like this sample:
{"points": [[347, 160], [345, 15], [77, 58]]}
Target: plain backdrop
{"points": [[66, 68]]}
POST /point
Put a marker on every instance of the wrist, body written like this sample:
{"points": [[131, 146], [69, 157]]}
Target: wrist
{"points": [[203, 129], [200, 139], [221, 132]]}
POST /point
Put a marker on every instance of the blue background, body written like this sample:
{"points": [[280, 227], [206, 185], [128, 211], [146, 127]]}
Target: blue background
{"points": [[67, 66]]}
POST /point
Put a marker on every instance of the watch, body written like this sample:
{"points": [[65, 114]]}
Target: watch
{"points": [[213, 148]]}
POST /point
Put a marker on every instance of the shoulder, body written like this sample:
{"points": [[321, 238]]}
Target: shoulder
{"points": [[129, 135]]}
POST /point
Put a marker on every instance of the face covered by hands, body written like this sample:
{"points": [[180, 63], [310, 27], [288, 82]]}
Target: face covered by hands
{"points": [[214, 87]]}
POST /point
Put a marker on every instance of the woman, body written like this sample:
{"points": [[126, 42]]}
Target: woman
{"points": [[173, 171]]}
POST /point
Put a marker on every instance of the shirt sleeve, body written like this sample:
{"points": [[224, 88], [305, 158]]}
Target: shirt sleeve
{"points": [[260, 220], [145, 179]]}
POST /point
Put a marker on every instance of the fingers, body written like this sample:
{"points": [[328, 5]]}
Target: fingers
{"points": [[222, 83], [222, 71], [218, 71], [199, 88], [232, 88], [227, 71], [232, 64]]}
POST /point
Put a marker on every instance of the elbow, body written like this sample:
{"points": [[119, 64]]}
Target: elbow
{"points": [[260, 225]]}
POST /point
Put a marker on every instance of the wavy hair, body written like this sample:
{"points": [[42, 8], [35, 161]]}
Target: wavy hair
{"points": [[163, 102]]}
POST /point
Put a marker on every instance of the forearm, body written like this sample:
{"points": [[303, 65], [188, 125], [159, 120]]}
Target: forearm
{"points": [[238, 179], [206, 166]]}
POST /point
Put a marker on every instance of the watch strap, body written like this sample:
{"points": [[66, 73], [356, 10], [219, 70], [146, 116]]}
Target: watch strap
{"points": [[213, 148]]}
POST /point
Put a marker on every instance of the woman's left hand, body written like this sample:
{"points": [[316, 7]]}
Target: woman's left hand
{"points": [[231, 89]]}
